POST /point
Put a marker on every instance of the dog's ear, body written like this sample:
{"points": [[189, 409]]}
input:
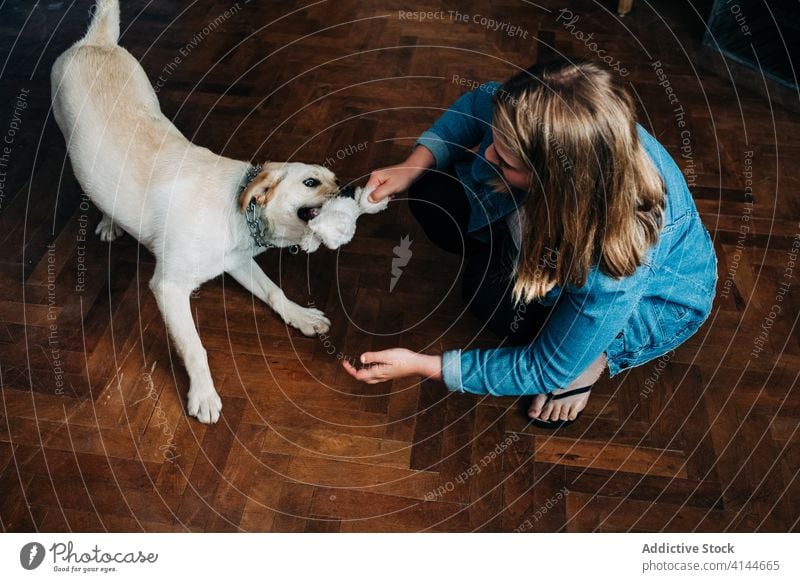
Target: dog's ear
{"points": [[262, 187]]}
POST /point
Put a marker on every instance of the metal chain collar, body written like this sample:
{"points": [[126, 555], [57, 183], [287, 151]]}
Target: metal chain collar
{"points": [[257, 231]]}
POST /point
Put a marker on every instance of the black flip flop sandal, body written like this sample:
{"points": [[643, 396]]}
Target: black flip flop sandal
{"points": [[551, 424]]}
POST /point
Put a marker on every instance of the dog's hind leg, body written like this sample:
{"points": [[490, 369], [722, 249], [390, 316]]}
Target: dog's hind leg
{"points": [[107, 230], [173, 301], [308, 320]]}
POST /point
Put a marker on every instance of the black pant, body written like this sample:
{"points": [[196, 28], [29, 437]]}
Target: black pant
{"points": [[440, 205]]}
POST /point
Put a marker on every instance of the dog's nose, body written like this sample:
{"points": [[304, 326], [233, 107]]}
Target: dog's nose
{"points": [[348, 191]]}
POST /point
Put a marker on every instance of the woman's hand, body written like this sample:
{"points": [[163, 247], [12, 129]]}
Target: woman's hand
{"points": [[395, 363], [395, 179], [390, 181]]}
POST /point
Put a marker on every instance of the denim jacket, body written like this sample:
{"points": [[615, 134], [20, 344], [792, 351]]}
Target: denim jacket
{"points": [[633, 319]]}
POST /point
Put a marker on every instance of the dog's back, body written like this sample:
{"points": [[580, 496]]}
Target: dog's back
{"points": [[91, 75], [120, 144]]}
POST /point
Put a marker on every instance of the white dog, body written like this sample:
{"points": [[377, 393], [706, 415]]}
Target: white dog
{"points": [[200, 214]]}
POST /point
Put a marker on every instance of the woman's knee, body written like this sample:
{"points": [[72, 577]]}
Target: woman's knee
{"points": [[486, 288], [439, 206], [436, 194]]}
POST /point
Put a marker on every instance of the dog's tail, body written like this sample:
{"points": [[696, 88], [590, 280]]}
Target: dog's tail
{"points": [[104, 29]]}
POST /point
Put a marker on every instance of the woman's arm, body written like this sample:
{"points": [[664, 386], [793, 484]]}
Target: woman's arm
{"points": [[582, 325], [458, 129], [395, 363], [394, 179]]}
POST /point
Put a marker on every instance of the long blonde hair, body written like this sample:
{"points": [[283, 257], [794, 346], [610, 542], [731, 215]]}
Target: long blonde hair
{"points": [[594, 196]]}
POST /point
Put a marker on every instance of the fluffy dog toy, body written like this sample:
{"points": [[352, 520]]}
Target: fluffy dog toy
{"points": [[335, 224]]}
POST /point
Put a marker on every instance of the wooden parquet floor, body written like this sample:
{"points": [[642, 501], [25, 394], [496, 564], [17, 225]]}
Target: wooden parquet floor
{"points": [[93, 434]]}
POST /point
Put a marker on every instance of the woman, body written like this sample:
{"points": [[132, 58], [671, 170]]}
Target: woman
{"points": [[584, 247]]}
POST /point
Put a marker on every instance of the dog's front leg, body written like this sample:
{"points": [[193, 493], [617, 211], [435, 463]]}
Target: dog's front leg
{"points": [[308, 320], [173, 301]]}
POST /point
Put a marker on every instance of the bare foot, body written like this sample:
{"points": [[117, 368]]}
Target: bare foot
{"points": [[562, 409]]}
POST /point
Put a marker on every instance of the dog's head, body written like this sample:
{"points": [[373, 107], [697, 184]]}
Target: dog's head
{"points": [[287, 196]]}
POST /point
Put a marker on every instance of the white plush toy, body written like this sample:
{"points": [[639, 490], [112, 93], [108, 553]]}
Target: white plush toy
{"points": [[335, 224]]}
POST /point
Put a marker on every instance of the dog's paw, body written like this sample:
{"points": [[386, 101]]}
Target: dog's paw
{"points": [[107, 230], [308, 320], [204, 405]]}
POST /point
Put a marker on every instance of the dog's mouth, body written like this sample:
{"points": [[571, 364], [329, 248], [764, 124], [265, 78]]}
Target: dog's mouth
{"points": [[307, 213]]}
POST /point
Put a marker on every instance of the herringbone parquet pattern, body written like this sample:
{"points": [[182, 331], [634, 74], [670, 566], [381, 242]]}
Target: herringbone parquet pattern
{"points": [[93, 434]]}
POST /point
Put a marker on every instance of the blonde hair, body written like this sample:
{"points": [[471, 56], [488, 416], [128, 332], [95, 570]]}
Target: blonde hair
{"points": [[594, 197]]}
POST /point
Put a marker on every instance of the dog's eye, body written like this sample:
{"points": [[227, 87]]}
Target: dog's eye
{"points": [[311, 182]]}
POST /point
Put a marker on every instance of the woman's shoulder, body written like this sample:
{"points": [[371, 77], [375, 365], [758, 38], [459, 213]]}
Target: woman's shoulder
{"points": [[598, 283], [679, 198], [660, 157], [480, 97]]}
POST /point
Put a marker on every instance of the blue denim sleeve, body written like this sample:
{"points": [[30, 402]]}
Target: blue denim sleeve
{"points": [[459, 128], [582, 325]]}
